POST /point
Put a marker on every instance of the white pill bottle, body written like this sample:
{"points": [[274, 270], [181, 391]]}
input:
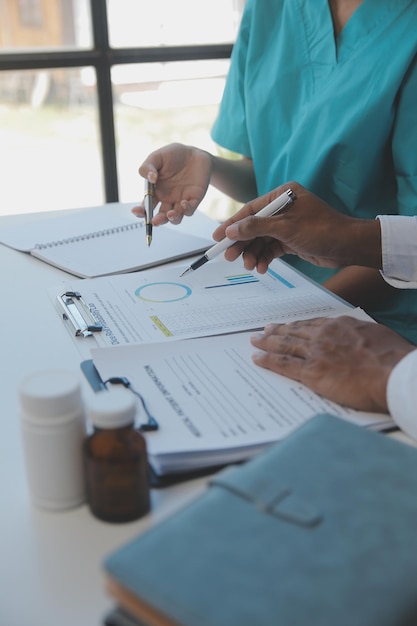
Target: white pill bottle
{"points": [[53, 431]]}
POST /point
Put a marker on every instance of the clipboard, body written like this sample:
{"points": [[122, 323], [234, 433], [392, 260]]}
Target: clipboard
{"points": [[77, 313], [155, 480]]}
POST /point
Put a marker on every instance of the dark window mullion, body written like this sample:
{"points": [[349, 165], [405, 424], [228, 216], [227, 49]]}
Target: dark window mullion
{"points": [[105, 99], [11, 61], [15, 61], [163, 54]]}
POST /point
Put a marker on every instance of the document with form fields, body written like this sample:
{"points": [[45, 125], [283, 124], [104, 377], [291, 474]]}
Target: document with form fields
{"points": [[213, 405]]}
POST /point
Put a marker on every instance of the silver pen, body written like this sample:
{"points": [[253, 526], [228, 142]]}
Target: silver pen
{"points": [[274, 207], [148, 202]]}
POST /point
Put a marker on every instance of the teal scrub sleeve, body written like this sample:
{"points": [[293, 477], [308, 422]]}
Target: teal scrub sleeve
{"points": [[233, 104], [404, 145]]}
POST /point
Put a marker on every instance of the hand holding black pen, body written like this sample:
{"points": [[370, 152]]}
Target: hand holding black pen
{"points": [[276, 206], [148, 202]]}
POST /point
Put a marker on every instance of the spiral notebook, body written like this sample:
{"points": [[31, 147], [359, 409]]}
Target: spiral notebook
{"points": [[107, 239]]}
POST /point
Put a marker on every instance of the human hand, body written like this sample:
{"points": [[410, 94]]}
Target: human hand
{"points": [[309, 228], [181, 175], [343, 359]]}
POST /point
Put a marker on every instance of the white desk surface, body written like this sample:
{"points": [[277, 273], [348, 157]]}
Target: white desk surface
{"points": [[50, 563]]}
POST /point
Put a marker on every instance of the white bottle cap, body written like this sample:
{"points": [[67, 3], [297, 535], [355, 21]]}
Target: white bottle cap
{"points": [[50, 394], [113, 408]]}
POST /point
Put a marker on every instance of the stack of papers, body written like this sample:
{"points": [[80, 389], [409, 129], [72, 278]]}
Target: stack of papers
{"points": [[213, 404], [183, 343]]}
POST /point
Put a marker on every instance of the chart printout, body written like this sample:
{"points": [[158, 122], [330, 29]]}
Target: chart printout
{"points": [[222, 297]]}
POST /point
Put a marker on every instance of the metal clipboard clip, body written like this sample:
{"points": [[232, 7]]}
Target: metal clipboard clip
{"points": [[75, 311]]}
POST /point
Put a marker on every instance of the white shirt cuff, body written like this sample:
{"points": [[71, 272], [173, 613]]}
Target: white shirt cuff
{"points": [[399, 250], [402, 394]]}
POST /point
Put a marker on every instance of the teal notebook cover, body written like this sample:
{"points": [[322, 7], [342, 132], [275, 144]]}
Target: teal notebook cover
{"points": [[320, 530]]}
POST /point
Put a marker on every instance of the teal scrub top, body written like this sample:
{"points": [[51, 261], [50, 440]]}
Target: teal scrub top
{"points": [[337, 115]]}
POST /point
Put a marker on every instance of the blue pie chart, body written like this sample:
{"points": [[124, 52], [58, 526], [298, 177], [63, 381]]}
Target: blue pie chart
{"points": [[163, 292]]}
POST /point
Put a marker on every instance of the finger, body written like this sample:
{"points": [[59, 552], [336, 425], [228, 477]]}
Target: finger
{"points": [[286, 365], [174, 217], [149, 173], [175, 213], [255, 255], [234, 251], [160, 219], [279, 345], [249, 228], [252, 256], [150, 167], [260, 253], [139, 210], [178, 210], [219, 233], [188, 206], [303, 329], [250, 262], [262, 264]]}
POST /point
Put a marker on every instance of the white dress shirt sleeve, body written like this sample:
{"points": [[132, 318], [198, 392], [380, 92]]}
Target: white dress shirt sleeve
{"points": [[399, 250], [402, 394]]}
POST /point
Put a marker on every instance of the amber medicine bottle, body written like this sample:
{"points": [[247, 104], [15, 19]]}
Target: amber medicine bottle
{"points": [[115, 457]]}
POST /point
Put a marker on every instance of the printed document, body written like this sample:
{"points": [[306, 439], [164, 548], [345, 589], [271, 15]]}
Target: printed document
{"points": [[221, 297], [213, 404]]}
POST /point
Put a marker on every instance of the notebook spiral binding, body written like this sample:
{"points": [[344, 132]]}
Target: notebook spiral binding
{"points": [[98, 233]]}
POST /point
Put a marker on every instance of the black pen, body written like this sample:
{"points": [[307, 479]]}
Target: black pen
{"points": [[148, 201]]}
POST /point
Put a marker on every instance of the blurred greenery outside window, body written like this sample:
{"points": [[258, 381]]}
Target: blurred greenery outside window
{"points": [[51, 140]]}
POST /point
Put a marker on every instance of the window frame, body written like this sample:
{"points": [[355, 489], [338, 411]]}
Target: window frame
{"points": [[102, 57]]}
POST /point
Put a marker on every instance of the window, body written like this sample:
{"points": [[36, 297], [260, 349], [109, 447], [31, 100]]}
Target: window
{"points": [[88, 88], [30, 12]]}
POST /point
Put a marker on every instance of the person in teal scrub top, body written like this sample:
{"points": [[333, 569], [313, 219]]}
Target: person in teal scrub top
{"points": [[325, 93]]}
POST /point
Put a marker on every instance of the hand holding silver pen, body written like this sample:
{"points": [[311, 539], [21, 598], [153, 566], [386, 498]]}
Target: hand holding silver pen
{"points": [[148, 202], [276, 206]]}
